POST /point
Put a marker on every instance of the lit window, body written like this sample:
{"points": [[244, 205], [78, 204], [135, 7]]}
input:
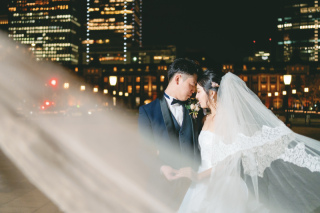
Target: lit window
{"points": [[138, 88], [162, 77]]}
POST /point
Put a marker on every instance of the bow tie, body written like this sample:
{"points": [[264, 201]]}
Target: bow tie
{"points": [[175, 101]]}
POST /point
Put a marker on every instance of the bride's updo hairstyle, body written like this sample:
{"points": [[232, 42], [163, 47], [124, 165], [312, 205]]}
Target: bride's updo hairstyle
{"points": [[207, 78]]}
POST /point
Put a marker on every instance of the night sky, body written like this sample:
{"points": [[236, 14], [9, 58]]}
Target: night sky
{"points": [[222, 30], [225, 30]]}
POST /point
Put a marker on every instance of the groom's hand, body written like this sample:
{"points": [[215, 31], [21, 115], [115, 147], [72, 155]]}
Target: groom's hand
{"points": [[168, 172]]}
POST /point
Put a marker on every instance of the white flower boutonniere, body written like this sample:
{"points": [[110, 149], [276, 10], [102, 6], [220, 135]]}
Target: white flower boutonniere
{"points": [[193, 106]]}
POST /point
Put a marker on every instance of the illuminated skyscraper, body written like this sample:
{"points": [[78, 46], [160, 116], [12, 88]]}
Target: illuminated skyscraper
{"points": [[298, 26], [50, 27], [113, 29]]}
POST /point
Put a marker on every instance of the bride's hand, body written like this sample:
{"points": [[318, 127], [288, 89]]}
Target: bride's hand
{"points": [[188, 173]]}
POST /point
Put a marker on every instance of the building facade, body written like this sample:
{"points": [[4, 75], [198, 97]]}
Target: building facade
{"points": [[50, 29], [127, 85], [298, 28], [113, 31], [4, 22], [266, 80]]}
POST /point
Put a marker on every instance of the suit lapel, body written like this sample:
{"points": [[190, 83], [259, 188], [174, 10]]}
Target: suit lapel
{"points": [[166, 114]]}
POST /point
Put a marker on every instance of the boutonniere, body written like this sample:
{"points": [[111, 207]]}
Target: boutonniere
{"points": [[194, 107]]}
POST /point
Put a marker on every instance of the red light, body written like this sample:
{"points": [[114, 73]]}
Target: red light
{"points": [[42, 107], [269, 39], [254, 41], [53, 82], [47, 103]]}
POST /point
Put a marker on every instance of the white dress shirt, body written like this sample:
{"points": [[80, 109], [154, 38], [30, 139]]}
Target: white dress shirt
{"points": [[176, 109]]}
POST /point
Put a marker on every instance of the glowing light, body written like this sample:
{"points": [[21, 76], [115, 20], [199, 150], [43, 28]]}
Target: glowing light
{"points": [[82, 88], [113, 80], [53, 82], [66, 85], [95, 89], [284, 92], [306, 89], [294, 91], [287, 79], [105, 91]]}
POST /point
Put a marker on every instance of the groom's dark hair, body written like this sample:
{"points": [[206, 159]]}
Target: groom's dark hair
{"points": [[183, 66]]}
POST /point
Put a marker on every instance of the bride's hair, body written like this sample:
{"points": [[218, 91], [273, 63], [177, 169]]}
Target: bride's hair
{"points": [[207, 78]]}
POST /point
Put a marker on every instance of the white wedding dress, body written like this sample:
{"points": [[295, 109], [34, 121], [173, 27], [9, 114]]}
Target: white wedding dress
{"points": [[258, 164], [227, 190]]}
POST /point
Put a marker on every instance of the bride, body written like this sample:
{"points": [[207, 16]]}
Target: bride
{"points": [[251, 162]]}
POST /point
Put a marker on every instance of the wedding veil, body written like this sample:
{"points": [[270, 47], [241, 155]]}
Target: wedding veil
{"points": [[280, 168]]}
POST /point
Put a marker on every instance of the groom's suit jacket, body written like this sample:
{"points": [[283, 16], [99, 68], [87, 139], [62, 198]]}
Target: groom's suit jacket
{"points": [[176, 146]]}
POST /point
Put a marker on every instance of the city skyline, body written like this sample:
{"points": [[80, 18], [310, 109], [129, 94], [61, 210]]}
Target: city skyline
{"points": [[224, 32]]}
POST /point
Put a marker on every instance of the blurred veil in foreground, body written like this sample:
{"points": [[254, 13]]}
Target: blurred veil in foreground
{"points": [[87, 163]]}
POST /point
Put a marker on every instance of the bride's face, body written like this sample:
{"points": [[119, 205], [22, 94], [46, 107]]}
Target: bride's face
{"points": [[202, 97]]}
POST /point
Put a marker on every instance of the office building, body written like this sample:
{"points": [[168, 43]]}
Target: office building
{"points": [[49, 28], [113, 31], [298, 26]]}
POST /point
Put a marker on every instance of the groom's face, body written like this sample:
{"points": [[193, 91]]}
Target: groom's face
{"points": [[187, 86]]}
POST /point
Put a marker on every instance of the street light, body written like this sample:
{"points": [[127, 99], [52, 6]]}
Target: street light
{"points": [[287, 81], [113, 80], [306, 90]]}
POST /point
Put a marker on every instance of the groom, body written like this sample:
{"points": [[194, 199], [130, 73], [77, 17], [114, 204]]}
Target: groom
{"points": [[173, 130]]}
